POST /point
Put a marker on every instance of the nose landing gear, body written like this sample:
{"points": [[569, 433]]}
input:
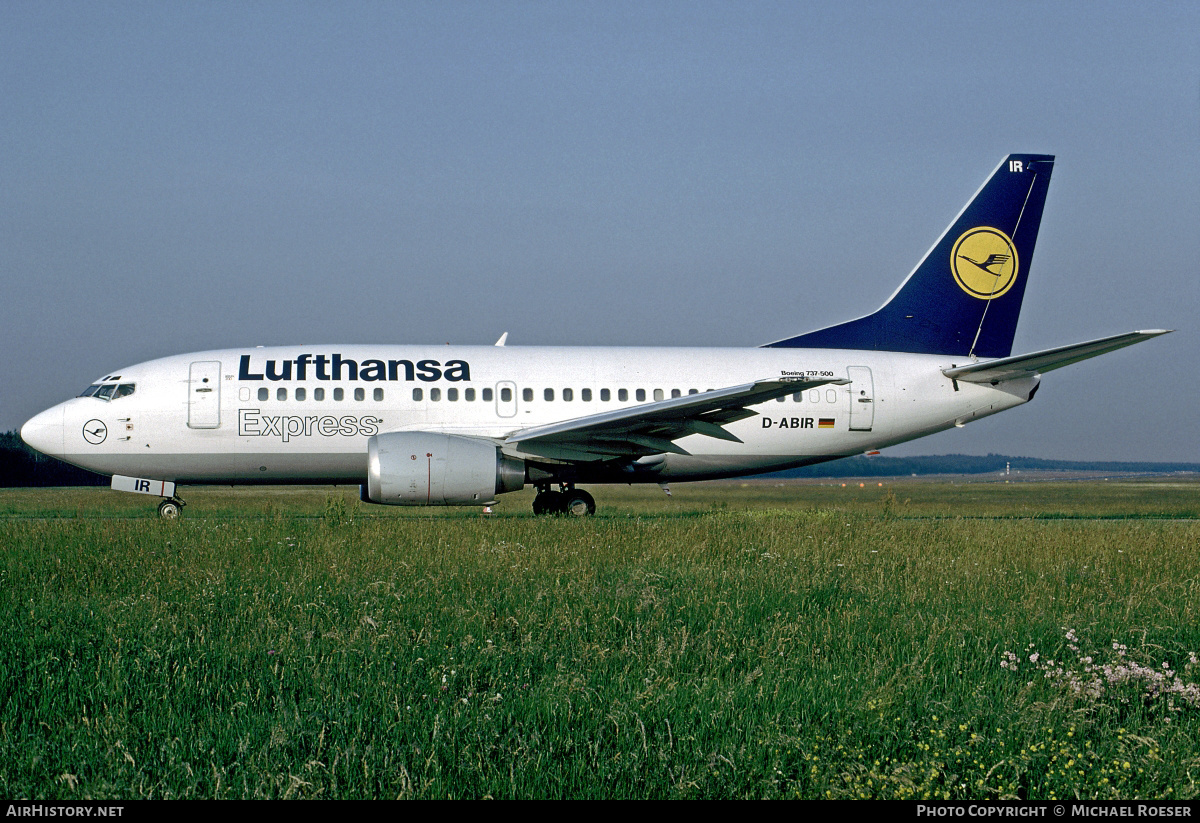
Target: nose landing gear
{"points": [[171, 508], [568, 500]]}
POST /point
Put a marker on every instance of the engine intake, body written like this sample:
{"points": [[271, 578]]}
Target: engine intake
{"points": [[431, 469]]}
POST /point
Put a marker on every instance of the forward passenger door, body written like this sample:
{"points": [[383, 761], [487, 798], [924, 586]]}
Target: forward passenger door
{"points": [[204, 394]]}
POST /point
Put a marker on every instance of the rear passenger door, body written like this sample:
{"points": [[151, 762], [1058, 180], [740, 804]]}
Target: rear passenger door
{"points": [[862, 398]]}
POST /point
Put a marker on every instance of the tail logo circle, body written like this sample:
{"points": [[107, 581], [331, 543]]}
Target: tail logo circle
{"points": [[984, 262]]}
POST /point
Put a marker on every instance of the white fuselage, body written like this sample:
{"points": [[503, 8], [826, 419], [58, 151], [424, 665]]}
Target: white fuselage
{"points": [[303, 414]]}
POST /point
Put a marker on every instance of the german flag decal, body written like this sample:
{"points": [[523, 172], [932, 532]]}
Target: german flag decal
{"points": [[825, 423]]}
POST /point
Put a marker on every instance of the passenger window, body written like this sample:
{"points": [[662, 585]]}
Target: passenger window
{"points": [[264, 393], [487, 395], [605, 395], [640, 394], [798, 397], [301, 394], [548, 394], [378, 394], [780, 399], [585, 395], [693, 391], [318, 394], [505, 394], [676, 393], [452, 394], [418, 395], [435, 395], [568, 394], [526, 395], [623, 395], [469, 395], [281, 393], [658, 394], [339, 394]]}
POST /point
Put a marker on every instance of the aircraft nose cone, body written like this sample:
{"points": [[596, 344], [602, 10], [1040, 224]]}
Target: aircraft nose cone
{"points": [[44, 432]]}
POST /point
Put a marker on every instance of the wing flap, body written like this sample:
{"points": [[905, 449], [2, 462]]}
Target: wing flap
{"points": [[652, 428]]}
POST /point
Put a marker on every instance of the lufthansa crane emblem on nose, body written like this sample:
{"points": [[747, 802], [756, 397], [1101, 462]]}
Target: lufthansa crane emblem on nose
{"points": [[94, 432]]}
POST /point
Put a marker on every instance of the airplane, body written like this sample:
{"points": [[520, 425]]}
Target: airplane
{"points": [[461, 425]]}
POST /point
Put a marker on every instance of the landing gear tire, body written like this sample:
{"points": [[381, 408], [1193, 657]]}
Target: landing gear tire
{"points": [[578, 503], [548, 503], [170, 509]]}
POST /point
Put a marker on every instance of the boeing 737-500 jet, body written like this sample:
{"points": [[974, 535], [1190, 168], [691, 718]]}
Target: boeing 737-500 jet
{"points": [[460, 425]]}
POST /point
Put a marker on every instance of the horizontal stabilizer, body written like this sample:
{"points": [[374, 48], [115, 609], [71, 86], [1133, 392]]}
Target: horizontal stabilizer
{"points": [[1024, 365]]}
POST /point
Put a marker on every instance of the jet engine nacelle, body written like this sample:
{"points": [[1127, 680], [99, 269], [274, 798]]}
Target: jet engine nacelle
{"points": [[431, 469]]}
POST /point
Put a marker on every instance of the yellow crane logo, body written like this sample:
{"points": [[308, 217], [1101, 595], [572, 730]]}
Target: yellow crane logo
{"points": [[984, 262]]}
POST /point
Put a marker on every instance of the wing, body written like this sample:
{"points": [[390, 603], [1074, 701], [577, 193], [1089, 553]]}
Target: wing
{"points": [[1024, 365], [652, 428]]}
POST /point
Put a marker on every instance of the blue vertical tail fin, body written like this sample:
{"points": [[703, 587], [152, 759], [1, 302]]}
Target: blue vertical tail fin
{"points": [[964, 297]]}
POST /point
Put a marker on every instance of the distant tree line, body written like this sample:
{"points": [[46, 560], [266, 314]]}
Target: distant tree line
{"points": [[22, 466], [862, 466]]}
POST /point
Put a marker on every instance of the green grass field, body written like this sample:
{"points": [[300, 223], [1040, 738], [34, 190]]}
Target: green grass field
{"points": [[758, 639]]}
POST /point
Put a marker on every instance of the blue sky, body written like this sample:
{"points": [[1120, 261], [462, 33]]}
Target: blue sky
{"points": [[185, 176]]}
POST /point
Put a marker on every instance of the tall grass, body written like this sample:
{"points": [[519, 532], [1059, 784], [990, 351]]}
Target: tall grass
{"points": [[728, 641]]}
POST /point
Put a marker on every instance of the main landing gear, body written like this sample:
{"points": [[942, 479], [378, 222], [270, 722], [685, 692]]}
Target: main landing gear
{"points": [[568, 500], [171, 508]]}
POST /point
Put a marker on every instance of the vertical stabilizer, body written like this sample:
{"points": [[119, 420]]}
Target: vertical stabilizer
{"points": [[964, 297]]}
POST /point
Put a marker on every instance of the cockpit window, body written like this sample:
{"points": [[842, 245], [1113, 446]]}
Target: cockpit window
{"points": [[109, 391]]}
